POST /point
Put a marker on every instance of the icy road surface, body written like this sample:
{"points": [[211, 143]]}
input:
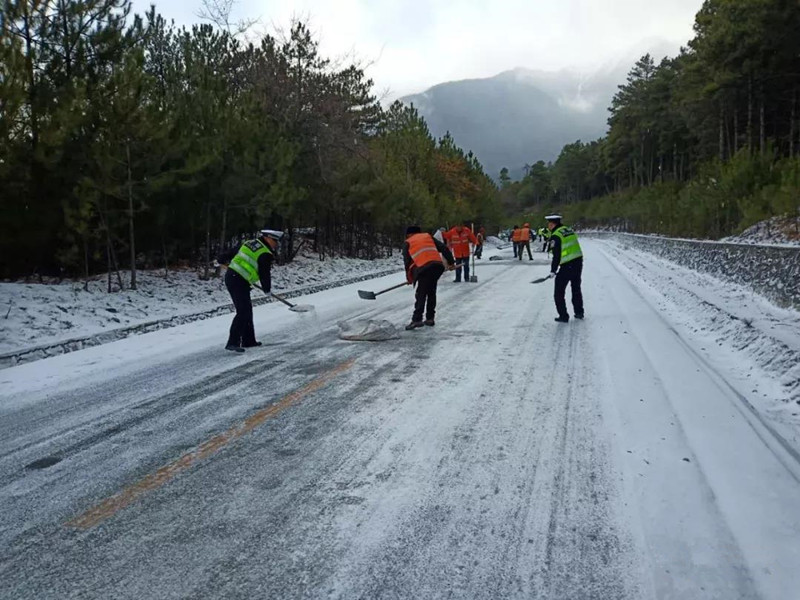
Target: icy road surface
{"points": [[498, 455]]}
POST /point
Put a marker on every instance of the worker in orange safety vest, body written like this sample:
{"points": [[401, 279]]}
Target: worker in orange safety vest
{"points": [[515, 239], [422, 255], [481, 235], [458, 240], [524, 241]]}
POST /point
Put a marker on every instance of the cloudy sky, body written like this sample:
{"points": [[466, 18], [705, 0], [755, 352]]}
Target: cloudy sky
{"points": [[413, 44]]}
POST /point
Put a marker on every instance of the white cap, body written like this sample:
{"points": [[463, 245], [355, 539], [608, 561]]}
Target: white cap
{"points": [[554, 217], [271, 233]]}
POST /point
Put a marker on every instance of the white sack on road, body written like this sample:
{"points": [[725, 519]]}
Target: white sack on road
{"points": [[367, 331]]}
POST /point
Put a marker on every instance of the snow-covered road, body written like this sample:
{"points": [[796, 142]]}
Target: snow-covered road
{"points": [[498, 455]]}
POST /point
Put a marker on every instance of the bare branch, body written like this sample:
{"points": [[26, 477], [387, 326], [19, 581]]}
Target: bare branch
{"points": [[219, 12]]}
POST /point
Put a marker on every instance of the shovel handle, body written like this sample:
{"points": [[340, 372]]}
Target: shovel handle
{"points": [[365, 295], [394, 287], [284, 300], [274, 295]]}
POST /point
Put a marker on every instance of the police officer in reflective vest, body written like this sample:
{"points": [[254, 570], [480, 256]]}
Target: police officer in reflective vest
{"points": [[567, 267], [248, 266], [422, 255]]}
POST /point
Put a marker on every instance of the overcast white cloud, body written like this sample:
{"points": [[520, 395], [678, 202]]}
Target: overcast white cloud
{"points": [[413, 44]]}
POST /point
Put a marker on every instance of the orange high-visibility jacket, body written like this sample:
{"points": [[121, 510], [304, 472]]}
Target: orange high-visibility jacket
{"points": [[459, 241], [422, 249], [515, 235], [421, 252], [524, 235]]}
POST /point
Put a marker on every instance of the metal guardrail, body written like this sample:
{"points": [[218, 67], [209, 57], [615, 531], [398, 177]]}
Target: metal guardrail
{"points": [[30, 354], [772, 271]]}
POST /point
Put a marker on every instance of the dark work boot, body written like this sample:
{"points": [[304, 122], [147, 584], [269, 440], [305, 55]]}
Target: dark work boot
{"points": [[233, 348], [253, 345], [562, 319], [414, 325], [430, 322], [580, 316]]}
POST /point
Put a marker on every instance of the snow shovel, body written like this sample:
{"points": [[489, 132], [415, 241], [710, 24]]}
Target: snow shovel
{"points": [[294, 307], [541, 279], [473, 278], [364, 295]]}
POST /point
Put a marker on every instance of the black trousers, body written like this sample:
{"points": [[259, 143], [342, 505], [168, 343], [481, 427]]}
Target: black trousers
{"points": [[525, 246], [243, 331], [461, 262], [569, 273], [427, 281]]}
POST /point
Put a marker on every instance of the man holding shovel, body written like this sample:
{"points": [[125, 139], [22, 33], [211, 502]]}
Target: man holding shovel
{"points": [[524, 241], [459, 239], [481, 239], [566, 268], [247, 267], [422, 255]]}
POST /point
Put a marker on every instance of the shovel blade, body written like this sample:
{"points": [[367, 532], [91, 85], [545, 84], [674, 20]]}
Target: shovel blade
{"points": [[473, 279], [364, 295], [302, 308]]}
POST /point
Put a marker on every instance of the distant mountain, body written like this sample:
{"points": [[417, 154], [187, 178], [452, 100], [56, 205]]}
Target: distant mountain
{"points": [[523, 115]]}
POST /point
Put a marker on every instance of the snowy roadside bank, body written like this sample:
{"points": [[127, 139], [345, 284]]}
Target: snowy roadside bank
{"points": [[770, 270], [784, 231], [41, 320], [752, 342]]}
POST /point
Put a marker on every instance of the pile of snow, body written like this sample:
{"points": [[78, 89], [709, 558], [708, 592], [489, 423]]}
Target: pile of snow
{"points": [[496, 241], [777, 230], [368, 331], [42, 313]]}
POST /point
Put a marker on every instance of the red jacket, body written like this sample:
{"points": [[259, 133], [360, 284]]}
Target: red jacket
{"points": [[459, 241]]}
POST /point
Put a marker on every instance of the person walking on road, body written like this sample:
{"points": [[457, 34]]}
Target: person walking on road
{"points": [[566, 267], [251, 264], [422, 255], [545, 239], [515, 239], [481, 240], [525, 241], [459, 239]]}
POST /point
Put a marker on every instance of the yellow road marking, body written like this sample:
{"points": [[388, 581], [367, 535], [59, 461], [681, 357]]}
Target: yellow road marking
{"points": [[112, 505]]}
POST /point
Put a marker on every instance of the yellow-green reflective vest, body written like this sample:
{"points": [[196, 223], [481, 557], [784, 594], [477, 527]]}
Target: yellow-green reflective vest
{"points": [[245, 263], [570, 248]]}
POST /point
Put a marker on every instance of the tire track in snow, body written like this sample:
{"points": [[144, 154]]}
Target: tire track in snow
{"points": [[588, 552], [705, 527], [783, 450], [480, 531], [429, 472]]}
